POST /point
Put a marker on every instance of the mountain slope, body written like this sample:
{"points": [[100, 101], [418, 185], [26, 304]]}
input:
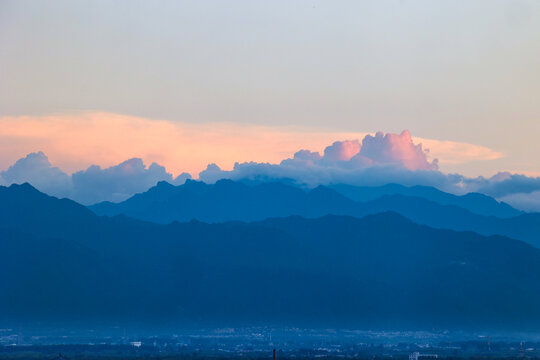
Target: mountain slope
{"points": [[228, 201], [476, 203], [378, 271], [225, 201]]}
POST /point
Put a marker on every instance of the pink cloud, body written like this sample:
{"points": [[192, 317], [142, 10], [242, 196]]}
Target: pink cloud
{"points": [[78, 140], [396, 149], [342, 150], [381, 149]]}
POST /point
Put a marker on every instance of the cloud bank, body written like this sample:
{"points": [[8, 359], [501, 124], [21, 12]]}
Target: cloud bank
{"points": [[36, 169], [524, 201], [374, 160], [79, 140], [379, 160], [308, 169], [115, 183]]}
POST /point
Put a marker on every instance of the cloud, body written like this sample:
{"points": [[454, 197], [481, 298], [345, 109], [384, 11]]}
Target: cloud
{"points": [[342, 150], [78, 140], [115, 183], [236, 151], [378, 159], [293, 170], [455, 153], [308, 169], [505, 183], [396, 149], [524, 201], [119, 182], [36, 169]]}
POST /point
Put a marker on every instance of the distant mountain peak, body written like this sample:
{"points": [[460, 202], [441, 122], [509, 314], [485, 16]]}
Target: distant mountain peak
{"points": [[164, 184], [24, 186]]}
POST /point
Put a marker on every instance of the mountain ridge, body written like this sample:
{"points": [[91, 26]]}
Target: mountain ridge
{"points": [[228, 200], [476, 203], [381, 270]]}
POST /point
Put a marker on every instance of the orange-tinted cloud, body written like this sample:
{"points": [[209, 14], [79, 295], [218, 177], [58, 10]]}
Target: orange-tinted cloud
{"points": [[76, 141]]}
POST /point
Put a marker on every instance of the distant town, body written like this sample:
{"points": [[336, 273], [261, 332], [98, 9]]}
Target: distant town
{"points": [[260, 343]]}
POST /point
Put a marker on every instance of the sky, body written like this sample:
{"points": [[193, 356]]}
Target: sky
{"points": [[189, 83]]}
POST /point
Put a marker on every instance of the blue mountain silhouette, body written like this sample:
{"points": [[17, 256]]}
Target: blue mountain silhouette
{"points": [[228, 200], [61, 262]]}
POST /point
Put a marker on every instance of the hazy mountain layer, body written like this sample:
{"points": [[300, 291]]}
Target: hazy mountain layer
{"points": [[59, 261], [227, 200], [476, 203]]}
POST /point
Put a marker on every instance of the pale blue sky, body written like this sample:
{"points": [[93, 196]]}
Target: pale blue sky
{"points": [[464, 71]]}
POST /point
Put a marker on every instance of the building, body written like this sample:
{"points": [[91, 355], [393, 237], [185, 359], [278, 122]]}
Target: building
{"points": [[416, 356]]}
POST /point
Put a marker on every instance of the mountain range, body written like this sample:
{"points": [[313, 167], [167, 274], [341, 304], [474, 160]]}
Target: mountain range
{"points": [[476, 203], [228, 200], [61, 262]]}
